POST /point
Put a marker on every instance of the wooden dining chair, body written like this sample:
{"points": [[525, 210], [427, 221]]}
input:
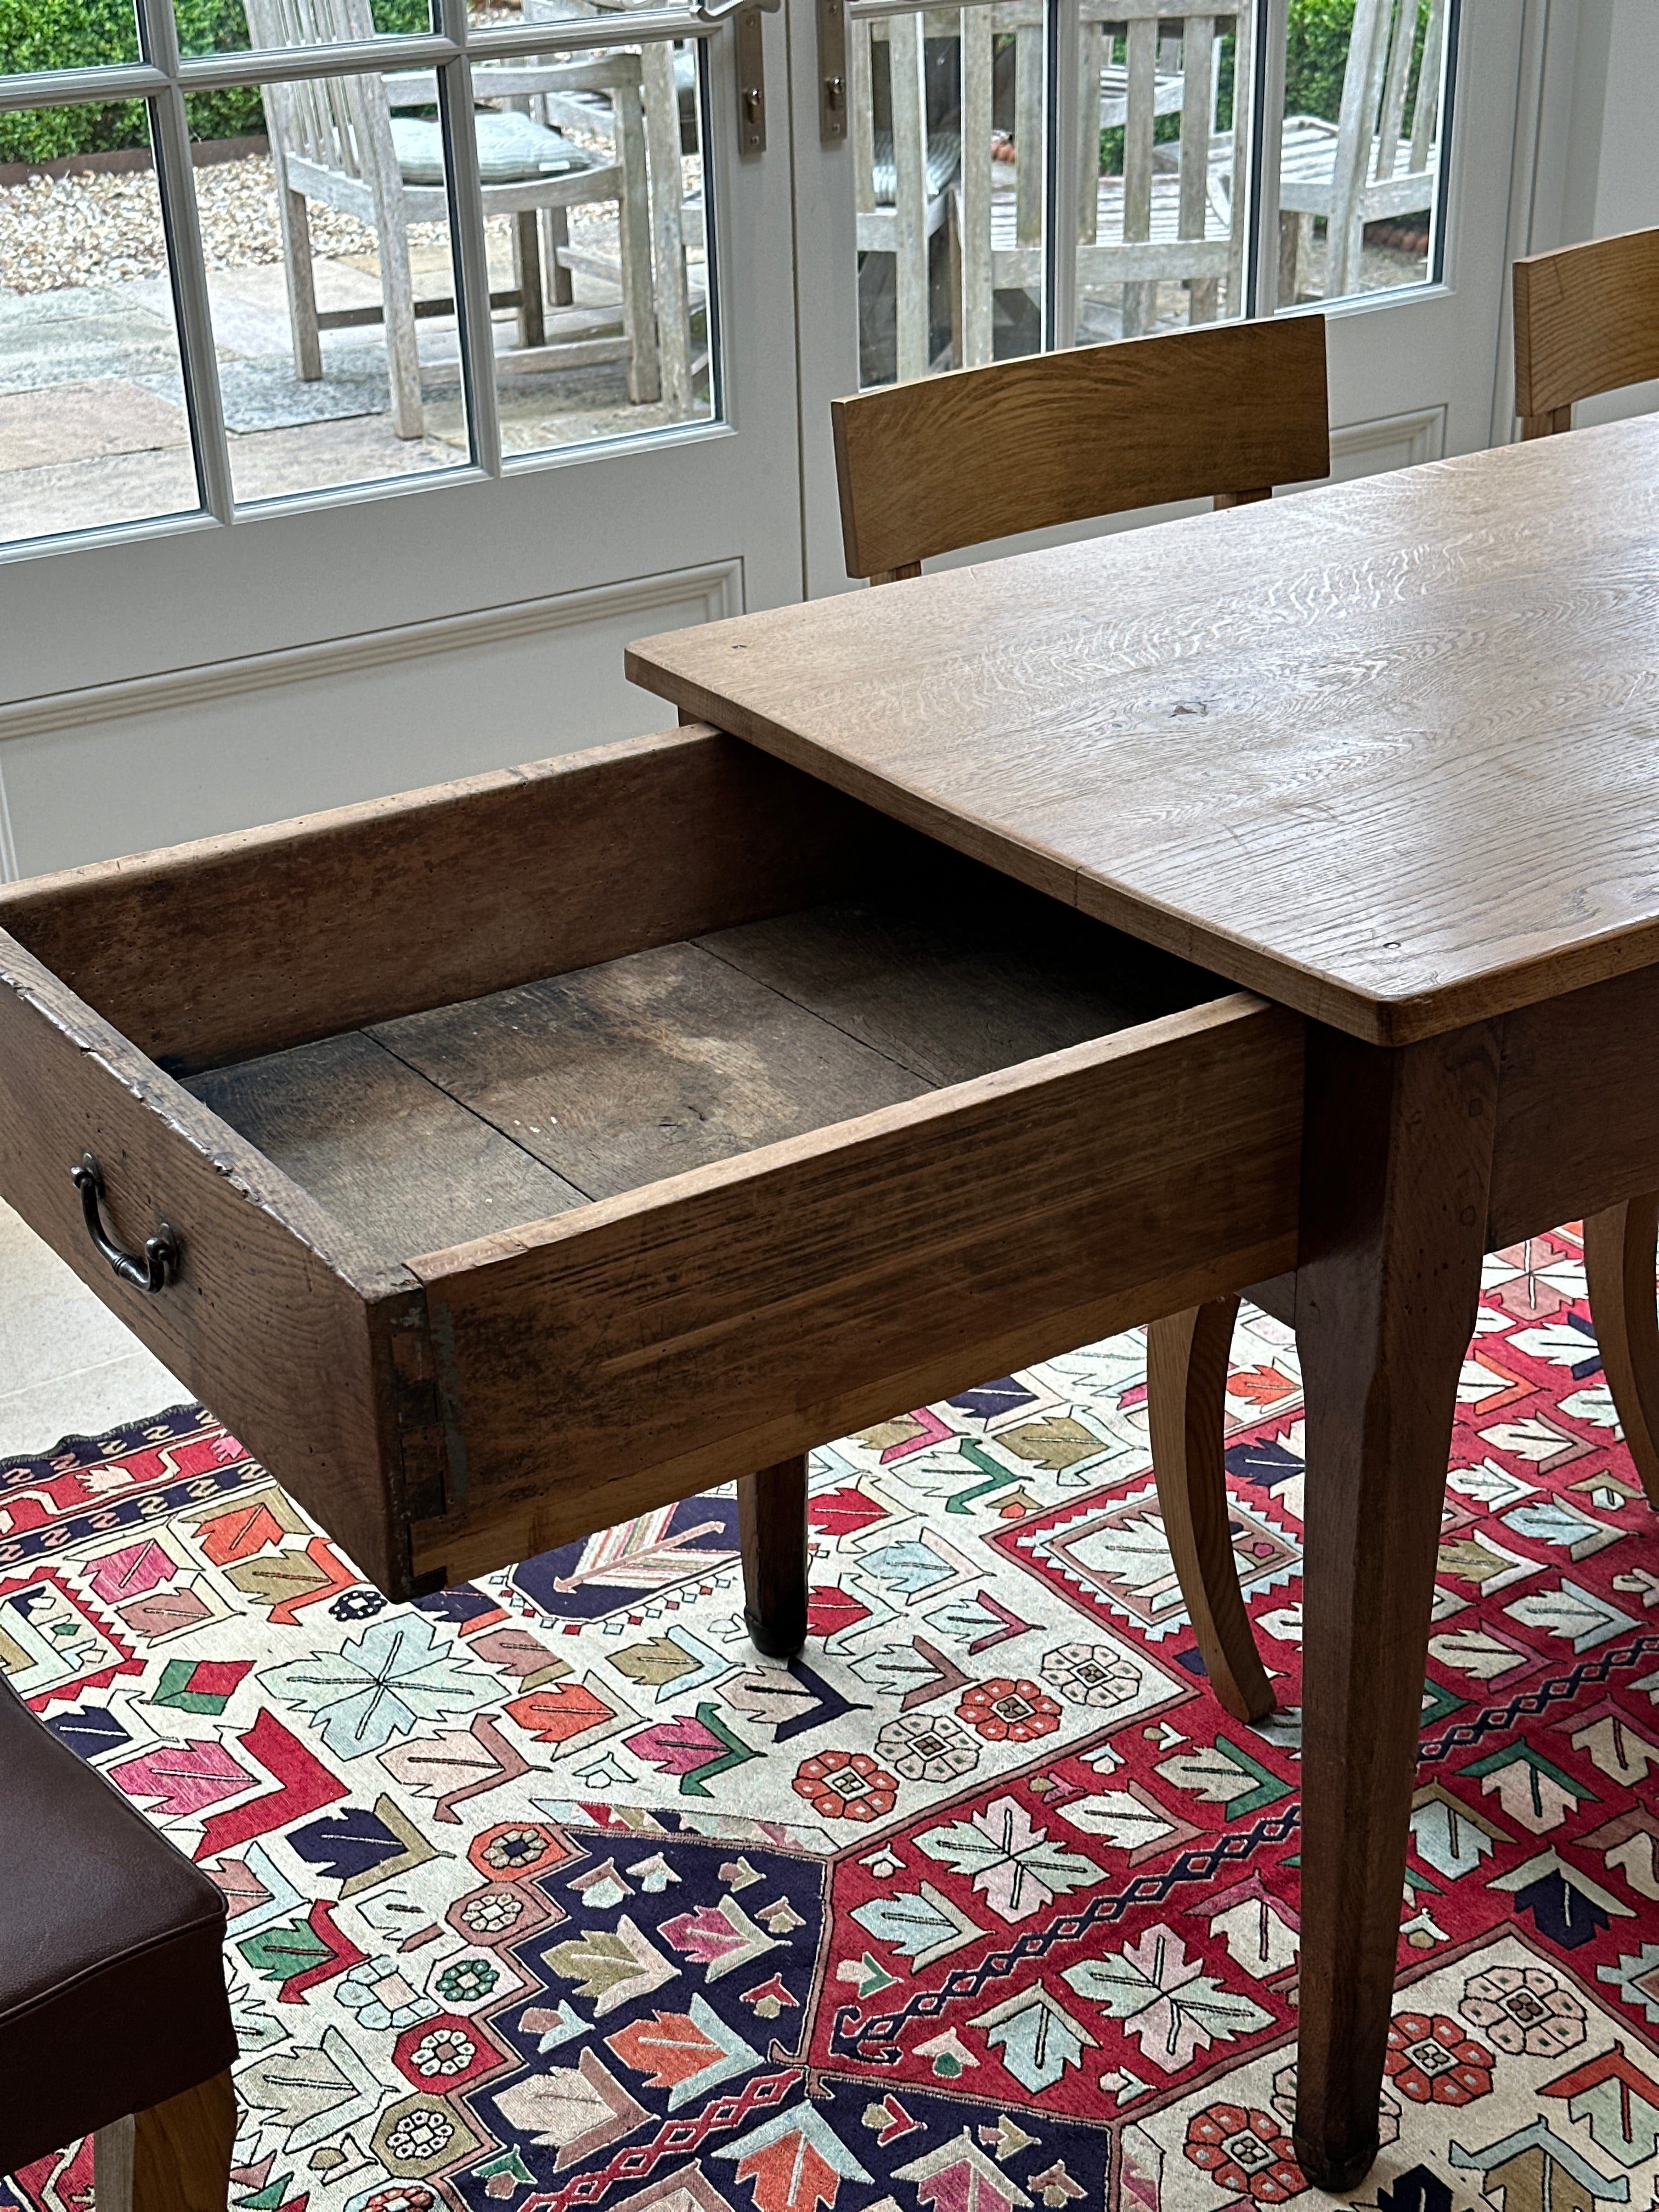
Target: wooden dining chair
{"points": [[1225, 411], [1221, 411], [1586, 320], [929, 467], [114, 2020]]}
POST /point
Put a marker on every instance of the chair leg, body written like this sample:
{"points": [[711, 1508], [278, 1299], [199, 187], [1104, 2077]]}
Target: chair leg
{"points": [[527, 279], [1619, 1262], [555, 234], [111, 2167], [1186, 1377], [181, 2150], [655, 293], [772, 1534], [295, 225]]}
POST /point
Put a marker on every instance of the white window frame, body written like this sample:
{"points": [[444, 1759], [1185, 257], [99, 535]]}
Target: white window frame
{"points": [[165, 77]]}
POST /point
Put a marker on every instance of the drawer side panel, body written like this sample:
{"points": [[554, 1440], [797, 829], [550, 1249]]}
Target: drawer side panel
{"points": [[598, 1365], [264, 1322]]}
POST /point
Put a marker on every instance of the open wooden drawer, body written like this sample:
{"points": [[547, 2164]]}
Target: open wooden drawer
{"points": [[541, 1148]]}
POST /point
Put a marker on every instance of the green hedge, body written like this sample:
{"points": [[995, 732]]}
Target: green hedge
{"points": [[1315, 55], [48, 35]]}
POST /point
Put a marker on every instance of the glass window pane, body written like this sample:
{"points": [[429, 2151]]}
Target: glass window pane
{"points": [[1358, 189], [92, 428], [947, 130], [596, 217], [208, 26], [66, 37], [1165, 169], [310, 278]]}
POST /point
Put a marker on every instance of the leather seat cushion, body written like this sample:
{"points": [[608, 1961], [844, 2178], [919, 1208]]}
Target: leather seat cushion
{"points": [[111, 1975]]}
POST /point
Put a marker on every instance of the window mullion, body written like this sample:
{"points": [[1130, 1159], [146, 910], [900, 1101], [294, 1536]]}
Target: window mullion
{"points": [[175, 181], [468, 244], [347, 57], [1264, 87], [1062, 173]]}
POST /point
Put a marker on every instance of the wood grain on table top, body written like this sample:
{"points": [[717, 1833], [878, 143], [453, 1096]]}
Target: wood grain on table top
{"points": [[1388, 752]]}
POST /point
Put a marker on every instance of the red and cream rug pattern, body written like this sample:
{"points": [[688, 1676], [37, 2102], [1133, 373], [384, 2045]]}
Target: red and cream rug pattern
{"points": [[548, 1893]]}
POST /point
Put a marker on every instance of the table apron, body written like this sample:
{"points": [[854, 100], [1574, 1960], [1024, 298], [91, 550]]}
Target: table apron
{"points": [[1577, 1107]]}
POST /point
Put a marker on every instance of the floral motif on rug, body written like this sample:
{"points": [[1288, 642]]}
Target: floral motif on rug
{"points": [[548, 1894]]}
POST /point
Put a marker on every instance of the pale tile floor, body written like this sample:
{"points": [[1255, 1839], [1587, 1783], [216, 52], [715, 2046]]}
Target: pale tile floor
{"points": [[67, 1365]]}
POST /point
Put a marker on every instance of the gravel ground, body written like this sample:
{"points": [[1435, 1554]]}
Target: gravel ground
{"points": [[100, 229]]}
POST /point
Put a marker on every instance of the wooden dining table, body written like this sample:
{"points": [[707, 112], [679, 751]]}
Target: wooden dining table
{"points": [[1387, 754]]}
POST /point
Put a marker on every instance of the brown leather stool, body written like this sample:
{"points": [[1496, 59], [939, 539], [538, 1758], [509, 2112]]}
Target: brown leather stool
{"points": [[112, 1984]]}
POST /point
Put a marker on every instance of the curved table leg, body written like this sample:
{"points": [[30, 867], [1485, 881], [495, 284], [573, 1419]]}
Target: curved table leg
{"points": [[1186, 1379], [1619, 1262], [772, 1533], [1396, 1162]]}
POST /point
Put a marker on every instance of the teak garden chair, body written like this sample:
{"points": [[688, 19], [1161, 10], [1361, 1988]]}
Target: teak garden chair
{"points": [[1170, 216], [1361, 168], [333, 140]]}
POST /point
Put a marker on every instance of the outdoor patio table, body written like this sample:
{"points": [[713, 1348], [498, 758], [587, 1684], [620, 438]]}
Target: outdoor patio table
{"points": [[1387, 754]]}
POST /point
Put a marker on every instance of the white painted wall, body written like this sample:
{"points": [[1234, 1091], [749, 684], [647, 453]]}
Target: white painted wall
{"points": [[1606, 176]]}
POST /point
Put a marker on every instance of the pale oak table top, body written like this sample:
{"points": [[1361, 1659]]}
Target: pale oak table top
{"points": [[1387, 752]]}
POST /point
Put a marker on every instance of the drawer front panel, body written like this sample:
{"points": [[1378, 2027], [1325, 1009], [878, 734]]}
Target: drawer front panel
{"points": [[597, 1365], [264, 1321]]}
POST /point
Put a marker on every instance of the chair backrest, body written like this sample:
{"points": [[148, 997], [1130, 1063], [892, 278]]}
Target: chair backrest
{"points": [[1225, 410], [1172, 53], [327, 121], [1586, 320]]}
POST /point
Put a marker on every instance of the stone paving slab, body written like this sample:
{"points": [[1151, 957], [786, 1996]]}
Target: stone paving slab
{"points": [[78, 422]]}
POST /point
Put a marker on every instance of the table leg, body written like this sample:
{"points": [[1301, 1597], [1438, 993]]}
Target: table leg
{"points": [[1396, 1158], [771, 1532]]}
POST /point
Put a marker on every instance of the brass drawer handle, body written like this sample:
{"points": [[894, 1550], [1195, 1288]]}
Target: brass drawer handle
{"points": [[151, 1270]]}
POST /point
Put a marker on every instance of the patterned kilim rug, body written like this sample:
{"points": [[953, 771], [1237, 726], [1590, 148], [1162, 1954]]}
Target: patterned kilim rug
{"points": [[548, 1894]]}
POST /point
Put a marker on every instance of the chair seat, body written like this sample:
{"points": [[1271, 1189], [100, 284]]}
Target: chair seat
{"points": [[112, 1978], [1165, 227], [512, 150]]}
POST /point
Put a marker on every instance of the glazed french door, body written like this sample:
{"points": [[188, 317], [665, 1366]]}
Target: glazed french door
{"points": [[242, 584]]}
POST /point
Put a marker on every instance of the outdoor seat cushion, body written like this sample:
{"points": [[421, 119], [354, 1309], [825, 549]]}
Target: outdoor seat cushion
{"points": [[112, 1973], [944, 160], [512, 149]]}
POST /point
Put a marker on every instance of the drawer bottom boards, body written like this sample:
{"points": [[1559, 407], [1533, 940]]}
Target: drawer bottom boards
{"points": [[448, 1125], [544, 1148]]}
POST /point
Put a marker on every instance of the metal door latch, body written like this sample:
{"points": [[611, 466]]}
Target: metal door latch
{"points": [[832, 69], [751, 80]]}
